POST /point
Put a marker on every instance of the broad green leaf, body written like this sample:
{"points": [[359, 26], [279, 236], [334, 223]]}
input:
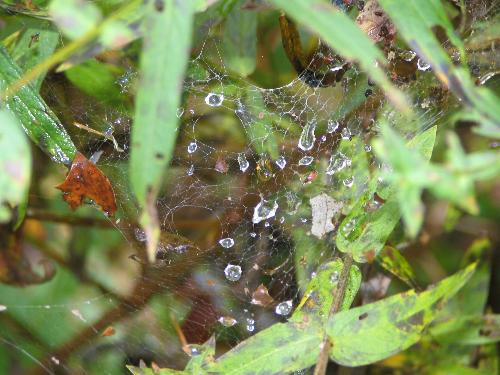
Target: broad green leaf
{"points": [[414, 20], [15, 164], [346, 38], [75, 18], [373, 332], [240, 41], [36, 118], [35, 44], [393, 261], [97, 79], [364, 231], [318, 296], [163, 63], [307, 255], [280, 349]]}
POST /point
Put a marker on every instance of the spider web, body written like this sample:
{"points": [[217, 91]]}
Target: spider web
{"points": [[247, 162]]}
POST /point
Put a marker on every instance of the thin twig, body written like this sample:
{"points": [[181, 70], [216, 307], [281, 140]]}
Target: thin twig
{"points": [[338, 298]]}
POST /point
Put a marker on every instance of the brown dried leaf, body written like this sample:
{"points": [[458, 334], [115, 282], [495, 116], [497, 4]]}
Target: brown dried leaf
{"points": [[261, 297], [109, 331], [86, 180]]}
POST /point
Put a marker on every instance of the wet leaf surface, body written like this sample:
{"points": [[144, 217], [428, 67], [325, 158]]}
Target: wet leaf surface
{"points": [[37, 119], [86, 180]]}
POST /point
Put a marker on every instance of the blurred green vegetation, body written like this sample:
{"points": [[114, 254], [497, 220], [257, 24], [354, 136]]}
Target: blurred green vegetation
{"points": [[288, 175]]}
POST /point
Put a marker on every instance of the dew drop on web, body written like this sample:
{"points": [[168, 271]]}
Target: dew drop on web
{"points": [[281, 162], [284, 308], [214, 100], [192, 147], [264, 210], [337, 162], [332, 126], [232, 272], [243, 162], [306, 160], [307, 137], [226, 242]]}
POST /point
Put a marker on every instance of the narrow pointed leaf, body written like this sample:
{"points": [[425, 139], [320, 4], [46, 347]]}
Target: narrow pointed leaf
{"points": [[163, 63]]}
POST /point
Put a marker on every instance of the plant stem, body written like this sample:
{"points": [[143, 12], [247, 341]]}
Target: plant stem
{"points": [[338, 297]]}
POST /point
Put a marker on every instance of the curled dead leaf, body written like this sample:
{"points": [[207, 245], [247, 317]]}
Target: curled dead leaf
{"points": [[261, 297], [109, 331], [86, 180]]}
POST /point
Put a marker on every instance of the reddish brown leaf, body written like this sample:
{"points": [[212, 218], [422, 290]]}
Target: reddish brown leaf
{"points": [[261, 297], [109, 331], [86, 180]]}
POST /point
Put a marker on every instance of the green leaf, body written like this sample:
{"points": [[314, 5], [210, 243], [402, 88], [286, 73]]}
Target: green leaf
{"points": [[468, 330], [414, 20], [75, 18], [279, 349], [37, 119], [394, 262], [97, 79], [240, 41], [35, 44], [346, 38], [318, 297], [15, 164], [376, 331], [163, 63], [363, 232], [148, 371]]}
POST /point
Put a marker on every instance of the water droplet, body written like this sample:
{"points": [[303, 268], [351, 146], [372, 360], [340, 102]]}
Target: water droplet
{"points": [[346, 133], [214, 100], [192, 147], [348, 227], [226, 242], [227, 321], [423, 65], [264, 210], [284, 308], [253, 234], [349, 181], [408, 55], [307, 138], [250, 325], [179, 112], [243, 162], [337, 162], [332, 126], [139, 234], [264, 169], [306, 160], [368, 148], [281, 162], [194, 350], [190, 170], [232, 272], [3, 307], [334, 277]]}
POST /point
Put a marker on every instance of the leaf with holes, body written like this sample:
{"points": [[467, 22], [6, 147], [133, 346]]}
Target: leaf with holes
{"points": [[373, 332]]}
